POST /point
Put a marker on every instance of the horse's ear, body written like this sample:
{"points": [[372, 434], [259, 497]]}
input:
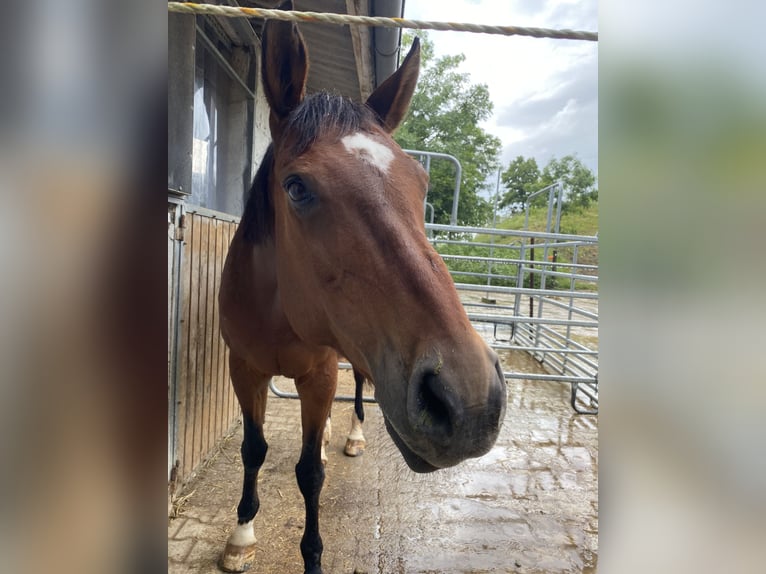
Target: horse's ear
{"points": [[392, 98], [285, 65]]}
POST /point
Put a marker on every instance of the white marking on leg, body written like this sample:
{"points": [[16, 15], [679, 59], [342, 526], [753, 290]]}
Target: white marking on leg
{"points": [[327, 436], [356, 428], [243, 535], [372, 151]]}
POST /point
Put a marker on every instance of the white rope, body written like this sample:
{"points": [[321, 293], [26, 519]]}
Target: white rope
{"points": [[331, 18]]}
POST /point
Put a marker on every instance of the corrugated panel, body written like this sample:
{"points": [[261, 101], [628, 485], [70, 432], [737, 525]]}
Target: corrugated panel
{"points": [[331, 50], [206, 409]]}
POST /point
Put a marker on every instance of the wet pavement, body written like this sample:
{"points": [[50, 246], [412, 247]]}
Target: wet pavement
{"points": [[530, 505]]}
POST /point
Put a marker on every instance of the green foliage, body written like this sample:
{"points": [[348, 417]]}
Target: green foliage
{"points": [[522, 178], [444, 117], [579, 182]]}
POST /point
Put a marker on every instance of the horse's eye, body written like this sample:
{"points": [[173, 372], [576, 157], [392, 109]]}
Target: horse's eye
{"points": [[296, 190]]}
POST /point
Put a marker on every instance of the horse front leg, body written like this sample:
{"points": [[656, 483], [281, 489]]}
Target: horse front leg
{"points": [[251, 389], [355, 442], [316, 391]]}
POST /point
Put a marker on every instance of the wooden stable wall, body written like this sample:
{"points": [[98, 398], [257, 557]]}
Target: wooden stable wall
{"points": [[205, 405]]}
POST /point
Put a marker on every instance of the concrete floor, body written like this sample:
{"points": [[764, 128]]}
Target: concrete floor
{"points": [[530, 505]]}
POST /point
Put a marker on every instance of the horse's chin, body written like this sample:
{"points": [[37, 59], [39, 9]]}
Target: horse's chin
{"points": [[414, 461]]}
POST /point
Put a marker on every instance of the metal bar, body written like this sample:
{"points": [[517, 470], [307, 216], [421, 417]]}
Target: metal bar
{"points": [[212, 213], [526, 291], [492, 238], [483, 259], [482, 275], [224, 62], [432, 210], [528, 349], [539, 192], [458, 176], [437, 240], [536, 377], [587, 390], [289, 395], [571, 308], [589, 239], [532, 320], [574, 396], [178, 251], [561, 274]]}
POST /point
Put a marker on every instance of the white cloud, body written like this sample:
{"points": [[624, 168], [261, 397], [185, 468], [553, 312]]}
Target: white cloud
{"points": [[545, 91]]}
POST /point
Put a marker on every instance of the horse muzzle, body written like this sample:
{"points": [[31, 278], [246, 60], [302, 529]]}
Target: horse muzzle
{"points": [[447, 418]]}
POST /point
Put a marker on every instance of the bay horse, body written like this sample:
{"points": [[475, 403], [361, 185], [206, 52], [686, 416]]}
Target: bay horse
{"points": [[331, 257]]}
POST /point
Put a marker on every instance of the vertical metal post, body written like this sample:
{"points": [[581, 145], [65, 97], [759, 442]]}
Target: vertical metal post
{"points": [[560, 200], [531, 277], [458, 176], [487, 298], [428, 171], [571, 308]]}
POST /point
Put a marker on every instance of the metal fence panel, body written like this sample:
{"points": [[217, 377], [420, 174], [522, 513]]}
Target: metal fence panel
{"points": [[532, 293]]}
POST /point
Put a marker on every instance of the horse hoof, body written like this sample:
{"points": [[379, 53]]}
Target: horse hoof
{"points": [[237, 558], [354, 447]]}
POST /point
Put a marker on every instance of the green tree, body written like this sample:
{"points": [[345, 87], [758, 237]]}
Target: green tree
{"points": [[579, 182], [444, 117], [520, 179]]}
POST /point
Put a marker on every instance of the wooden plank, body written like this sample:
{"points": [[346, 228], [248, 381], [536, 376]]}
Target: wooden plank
{"points": [[230, 400], [188, 382], [217, 420], [209, 340], [203, 386], [361, 41], [199, 385], [183, 353], [221, 343], [214, 414]]}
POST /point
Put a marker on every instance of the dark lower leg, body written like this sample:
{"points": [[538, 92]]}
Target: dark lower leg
{"points": [[310, 474], [239, 552], [254, 449], [358, 402]]}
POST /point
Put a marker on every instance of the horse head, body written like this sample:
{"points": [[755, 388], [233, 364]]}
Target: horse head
{"points": [[344, 208]]}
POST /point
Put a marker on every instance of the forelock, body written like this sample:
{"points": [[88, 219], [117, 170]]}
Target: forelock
{"points": [[323, 113]]}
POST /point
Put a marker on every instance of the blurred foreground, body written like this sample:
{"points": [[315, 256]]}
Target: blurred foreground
{"points": [[683, 209]]}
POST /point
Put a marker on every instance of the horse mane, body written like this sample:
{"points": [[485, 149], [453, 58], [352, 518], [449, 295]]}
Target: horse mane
{"points": [[318, 114], [258, 218]]}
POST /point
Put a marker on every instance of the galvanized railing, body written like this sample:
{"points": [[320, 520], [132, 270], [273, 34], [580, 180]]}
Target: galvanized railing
{"points": [[547, 307]]}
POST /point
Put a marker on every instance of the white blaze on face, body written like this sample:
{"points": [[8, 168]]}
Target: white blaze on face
{"points": [[243, 535], [373, 152]]}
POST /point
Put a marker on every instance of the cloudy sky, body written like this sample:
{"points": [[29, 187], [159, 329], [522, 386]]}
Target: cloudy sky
{"points": [[545, 91]]}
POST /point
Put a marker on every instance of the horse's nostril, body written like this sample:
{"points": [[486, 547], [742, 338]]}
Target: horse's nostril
{"points": [[433, 407]]}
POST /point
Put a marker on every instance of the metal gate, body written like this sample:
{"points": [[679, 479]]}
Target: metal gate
{"points": [[515, 308]]}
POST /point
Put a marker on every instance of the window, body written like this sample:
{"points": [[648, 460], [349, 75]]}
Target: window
{"points": [[222, 128]]}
